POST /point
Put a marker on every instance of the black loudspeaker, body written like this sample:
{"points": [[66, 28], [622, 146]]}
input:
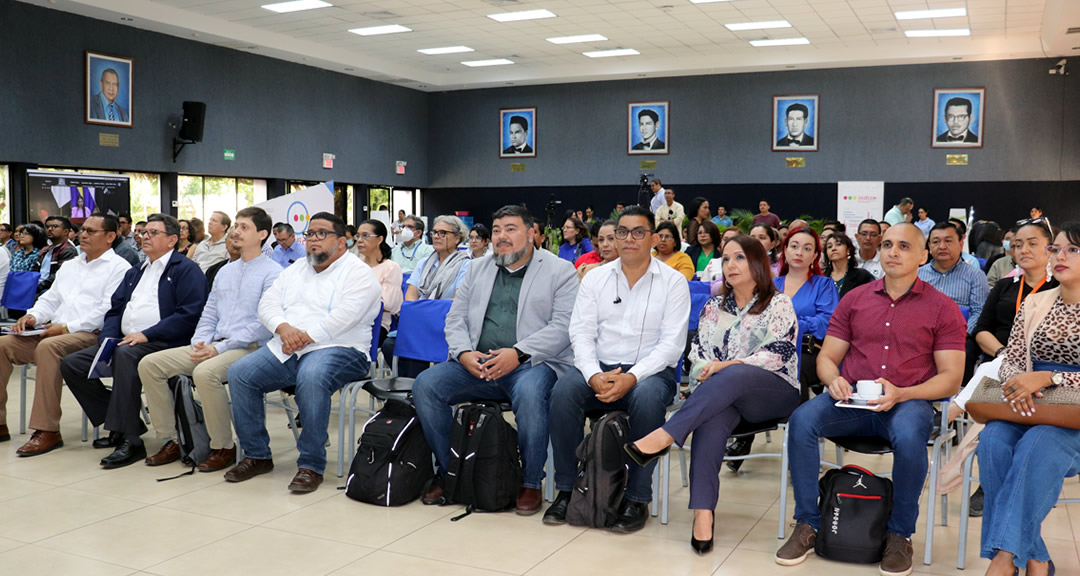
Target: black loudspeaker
{"points": [[191, 129]]}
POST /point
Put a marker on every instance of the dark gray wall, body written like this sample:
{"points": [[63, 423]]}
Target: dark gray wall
{"points": [[278, 116], [875, 124]]}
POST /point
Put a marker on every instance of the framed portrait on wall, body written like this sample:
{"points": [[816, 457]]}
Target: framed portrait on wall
{"points": [[958, 118], [517, 129], [108, 89], [795, 123], [647, 127]]}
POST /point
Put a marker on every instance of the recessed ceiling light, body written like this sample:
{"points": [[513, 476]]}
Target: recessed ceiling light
{"points": [[937, 33], [377, 30], [610, 53], [522, 15], [921, 14], [758, 25], [779, 42], [445, 50], [576, 39], [296, 6], [481, 63]]}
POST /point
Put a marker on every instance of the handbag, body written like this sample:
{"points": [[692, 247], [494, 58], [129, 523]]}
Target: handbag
{"points": [[1059, 406], [808, 377], [20, 290]]}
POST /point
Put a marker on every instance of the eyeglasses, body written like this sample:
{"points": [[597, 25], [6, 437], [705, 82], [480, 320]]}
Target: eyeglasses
{"points": [[52, 226], [1063, 252], [319, 235], [869, 234], [89, 231], [475, 238], [366, 237], [952, 117], [665, 237], [151, 232], [638, 233], [1041, 220], [441, 233]]}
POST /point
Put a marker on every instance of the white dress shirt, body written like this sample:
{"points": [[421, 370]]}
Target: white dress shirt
{"points": [[142, 309], [872, 265], [646, 328], [82, 292], [336, 307]]}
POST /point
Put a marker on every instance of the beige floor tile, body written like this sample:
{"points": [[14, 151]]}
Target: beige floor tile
{"points": [[144, 537], [8, 544], [51, 512], [600, 552], [139, 482], [263, 552], [339, 518], [33, 560], [503, 542], [733, 523], [255, 501], [73, 463], [381, 562], [754, 563], [17, 487]]}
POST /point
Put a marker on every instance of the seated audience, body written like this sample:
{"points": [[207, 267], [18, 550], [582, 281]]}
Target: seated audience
{"points": [[211, 249], [868, 256], [156, 306], [234, 251], [841, 265], [497, 353], [228, 329], [575, 240], [411, 249], [924, 222], [745, 367], [618, 364], [714, 271], [70, 312], [697, 213], [606, 247], [350, 241], [438, 275], [667, 244], [479, 241], [594, 256], [185, 236], [722, 218], [133, 255], [770, 240], [1022, 467], [60, 250], [126, 234], [962, 228], [989, 243], [670, 210], [288, 250], [1005, 265], [922, 361], [32, 242], [782, 233], [375, 252], [7, 239], [198, 234], [706, 247], [320, 311]]}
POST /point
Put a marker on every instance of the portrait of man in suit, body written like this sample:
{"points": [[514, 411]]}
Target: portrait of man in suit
{"points": [[795, 123], [958, 118], [647, 128], [518, 133], [108, 90], [796, 120]]}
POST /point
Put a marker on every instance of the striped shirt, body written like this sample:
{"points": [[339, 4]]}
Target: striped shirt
{"points": [[966, 285]]}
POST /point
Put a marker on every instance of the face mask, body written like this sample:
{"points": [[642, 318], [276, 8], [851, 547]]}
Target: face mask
{"points": [[350, 243], [405, 236], [1005, 245]]}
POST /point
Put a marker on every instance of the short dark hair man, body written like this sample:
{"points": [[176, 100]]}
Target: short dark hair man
{"points": [[60, 250], [958, 123], [519, 136], [103, 105], [869, 239], [796, 117], [288, 250], [649, 128]]}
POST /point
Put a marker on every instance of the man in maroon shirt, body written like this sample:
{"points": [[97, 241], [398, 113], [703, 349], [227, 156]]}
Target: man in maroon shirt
{"points": [[766, 217], [903, 333]]}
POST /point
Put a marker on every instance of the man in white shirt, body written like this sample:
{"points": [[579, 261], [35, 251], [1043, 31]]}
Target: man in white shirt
{"points": [[156, 306], [868, 256], [321, 312], [410, 249], [670, 210], [658, 196], [69, 312], [212, 249], [627, 330]]}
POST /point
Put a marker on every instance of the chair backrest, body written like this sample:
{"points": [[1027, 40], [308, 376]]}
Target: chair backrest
{"points": [[697, 287], [421, 330], [697, 304], [966, 312], [373, 354], [405, 282]]}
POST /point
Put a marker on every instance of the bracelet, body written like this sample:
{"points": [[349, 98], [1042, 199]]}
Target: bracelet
{"points": [[999, 351]]}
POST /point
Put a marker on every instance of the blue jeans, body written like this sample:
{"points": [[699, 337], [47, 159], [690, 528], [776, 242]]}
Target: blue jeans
{"points": [[907, 427], [528, 389], [316, 375], [1021, 469], [646, 402]]}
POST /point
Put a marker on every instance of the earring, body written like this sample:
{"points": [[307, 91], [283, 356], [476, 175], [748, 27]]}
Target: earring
{"points": [[1049, 272]]}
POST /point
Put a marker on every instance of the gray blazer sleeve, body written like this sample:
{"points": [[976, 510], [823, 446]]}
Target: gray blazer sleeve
{"points": [[552, 340]]}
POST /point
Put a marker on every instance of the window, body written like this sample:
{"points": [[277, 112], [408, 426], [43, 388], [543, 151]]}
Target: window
{"points": [[200, 196], [5, 200], [350, 205]]}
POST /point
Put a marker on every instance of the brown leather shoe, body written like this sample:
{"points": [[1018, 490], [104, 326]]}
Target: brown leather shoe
{"points": [[305, 481], [249, 468], [219, 460], [434, 495], [5, 435], [528, 501], [168, 454], [40, 442]]}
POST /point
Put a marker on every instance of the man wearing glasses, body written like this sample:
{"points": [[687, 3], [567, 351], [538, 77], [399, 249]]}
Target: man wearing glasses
{"points": [[627, 331], [320, 311], [288, 250], [69, 313], [410, 249], [155, 307], [60, 250], [869, 238], [508, 337], [670, 210], [6, 238]]}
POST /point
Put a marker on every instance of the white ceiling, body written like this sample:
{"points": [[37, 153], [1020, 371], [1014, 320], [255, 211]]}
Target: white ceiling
{"points": [[674, 37]]}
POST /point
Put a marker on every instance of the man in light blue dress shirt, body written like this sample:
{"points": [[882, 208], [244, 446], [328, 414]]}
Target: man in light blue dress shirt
{"points": [[103, 105], [966, 285], [288, 249], [228, 330]]}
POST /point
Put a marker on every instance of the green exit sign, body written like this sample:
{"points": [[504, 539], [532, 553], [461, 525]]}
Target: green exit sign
{"points": [[230, 154]]}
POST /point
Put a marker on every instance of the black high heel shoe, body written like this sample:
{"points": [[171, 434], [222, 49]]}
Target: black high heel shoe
{"points": [[703, 546], [640, 458]]}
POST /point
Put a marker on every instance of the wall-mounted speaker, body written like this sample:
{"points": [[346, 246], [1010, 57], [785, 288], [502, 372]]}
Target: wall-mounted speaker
{"points": [[191, 129]]}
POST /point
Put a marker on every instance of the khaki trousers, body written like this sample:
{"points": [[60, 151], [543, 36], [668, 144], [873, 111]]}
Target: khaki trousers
{"points": [[46, 353], [209, 377]]}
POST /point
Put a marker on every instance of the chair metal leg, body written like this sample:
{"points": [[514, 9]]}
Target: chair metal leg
{"points": [[22, 400], [549, 472], [654, 506], [682, 467], [342, 407], [665, 490], [85, 427], [289, 411], [768, 437], [965, 502], [931, 500], [783, 485]]}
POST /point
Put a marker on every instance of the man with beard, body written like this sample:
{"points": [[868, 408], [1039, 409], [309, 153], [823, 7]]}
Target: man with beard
{"points": [[320, 311], [507, 331]]}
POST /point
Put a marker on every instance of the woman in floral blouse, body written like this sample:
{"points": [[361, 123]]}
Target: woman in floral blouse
{"points": [[31, 239], [745, 367]]}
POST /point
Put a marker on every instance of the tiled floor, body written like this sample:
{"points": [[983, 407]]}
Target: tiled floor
{"points": [[63, 515]]}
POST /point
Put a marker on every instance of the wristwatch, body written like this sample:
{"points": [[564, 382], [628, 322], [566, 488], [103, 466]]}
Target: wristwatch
{"points": [[999, 351], [1057, 378], [522, 357]]}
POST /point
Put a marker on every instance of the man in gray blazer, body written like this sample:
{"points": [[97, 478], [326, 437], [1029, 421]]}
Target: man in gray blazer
{"points": [[509, 340]]}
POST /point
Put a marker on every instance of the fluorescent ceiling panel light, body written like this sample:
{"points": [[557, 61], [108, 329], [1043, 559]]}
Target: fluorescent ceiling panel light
{"points": [[445, 50], [576, 39], [779, 42], [922, 14], [377, 30], [937, 33], [758, 25], [522, 15], [481, 63], [296, 6], [610, 53]]}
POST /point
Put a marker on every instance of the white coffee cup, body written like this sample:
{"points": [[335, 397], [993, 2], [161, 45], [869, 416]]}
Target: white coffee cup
{"points": [[868, 389]]}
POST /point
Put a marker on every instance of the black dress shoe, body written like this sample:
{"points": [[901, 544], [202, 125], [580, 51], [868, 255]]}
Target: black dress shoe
{"points": [[703, 546], [126, 453], [556, 513], [640, 458], [111, 441], [740, 447], [632, 517], [975, 504]]}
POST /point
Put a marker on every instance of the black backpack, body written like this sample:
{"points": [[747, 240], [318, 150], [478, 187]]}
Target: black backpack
{"points": [[602, 473], [191, 434], [485, 470], [393, 461], [855, 508]]}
